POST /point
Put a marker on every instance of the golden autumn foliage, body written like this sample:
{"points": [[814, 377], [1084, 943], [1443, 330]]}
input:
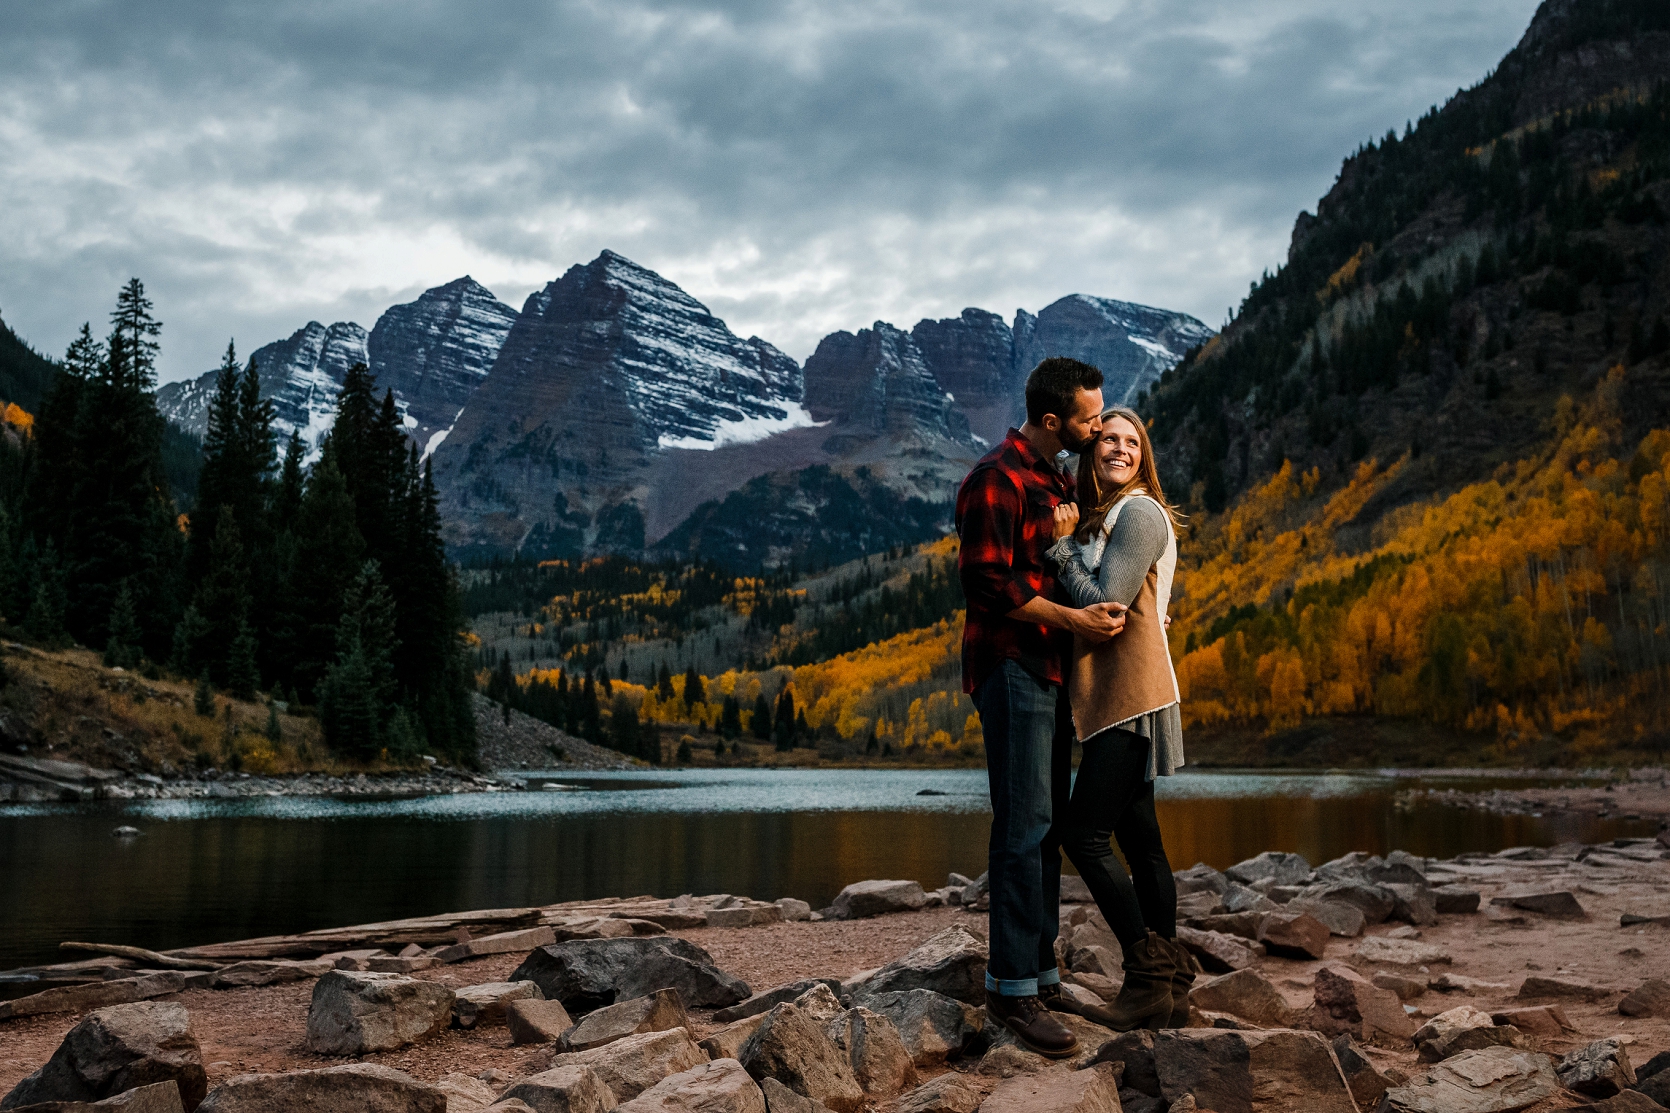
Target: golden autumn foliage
{"points": [[18, 418], [1537, 602]]}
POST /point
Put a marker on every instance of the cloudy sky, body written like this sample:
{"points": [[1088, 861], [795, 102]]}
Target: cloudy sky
{"points": [[799, 167]]}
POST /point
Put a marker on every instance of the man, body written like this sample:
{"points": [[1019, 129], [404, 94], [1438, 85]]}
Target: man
{"points": [[1015, 641]]}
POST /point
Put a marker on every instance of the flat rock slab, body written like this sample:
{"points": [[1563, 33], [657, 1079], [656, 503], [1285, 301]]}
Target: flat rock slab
{"points": [[116, 1049], [477, 1006], [1491, 1080], [863, 899], [1219, 952], [159, 1097], [259, 972], [361, 1087], [1340, 918], [1293, 935], [1539, 1020], [1094, 1090], [465, 1093], [1627, 1102], [354, 1012], [793, 1048], [1279, 867], [1455, 900], [1560, 904], [632, 1065], [505, 942], [657, 1012], [1538, 986], [1349, 1004], [722, 1086], [953, 962], [1401, 952], [536, 1021], [1463, 1029], [588, 974], [94, 995], [565, 1088]]}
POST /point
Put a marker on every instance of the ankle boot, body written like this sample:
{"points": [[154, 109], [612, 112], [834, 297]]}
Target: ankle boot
{"points": [[1144, 1000], [1032, 1024], [1183, 970]]}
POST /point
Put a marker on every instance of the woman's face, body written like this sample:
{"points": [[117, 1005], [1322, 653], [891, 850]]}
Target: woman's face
{"points": [[1118, 452]]}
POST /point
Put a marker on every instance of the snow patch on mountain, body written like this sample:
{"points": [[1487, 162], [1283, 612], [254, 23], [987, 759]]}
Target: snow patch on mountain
{"points": [[745, 430]]}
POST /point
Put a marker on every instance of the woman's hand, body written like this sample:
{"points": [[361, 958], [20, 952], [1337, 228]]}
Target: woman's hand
{"points": [[1066, 519]]}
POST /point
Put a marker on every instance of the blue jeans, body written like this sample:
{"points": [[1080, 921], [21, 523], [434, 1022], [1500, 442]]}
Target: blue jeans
{"points": [[1029, 747]]}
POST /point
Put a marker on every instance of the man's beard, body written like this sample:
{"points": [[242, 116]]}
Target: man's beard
{"points": [[1072, 446]]}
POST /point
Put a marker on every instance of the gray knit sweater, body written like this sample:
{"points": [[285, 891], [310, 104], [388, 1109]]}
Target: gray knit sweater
{"points": [[1138, 540]]}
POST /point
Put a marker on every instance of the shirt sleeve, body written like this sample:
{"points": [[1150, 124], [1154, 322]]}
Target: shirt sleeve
{"points": [[1137, 541], [991, 514]]}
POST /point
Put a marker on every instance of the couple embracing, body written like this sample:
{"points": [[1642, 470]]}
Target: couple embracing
{"points": [[1067, 580]]}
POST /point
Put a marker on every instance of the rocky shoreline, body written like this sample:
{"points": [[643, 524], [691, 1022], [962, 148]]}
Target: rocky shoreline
{"points": [[1530, 979]]}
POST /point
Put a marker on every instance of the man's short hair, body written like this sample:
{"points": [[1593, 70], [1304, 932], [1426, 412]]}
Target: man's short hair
{"points": [[1054, 384]]}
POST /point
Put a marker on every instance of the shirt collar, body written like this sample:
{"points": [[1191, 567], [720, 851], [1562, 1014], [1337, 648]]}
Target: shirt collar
{"points": [[1030, 456]]}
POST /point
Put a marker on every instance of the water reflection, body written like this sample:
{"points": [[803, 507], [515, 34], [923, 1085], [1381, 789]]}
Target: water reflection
{"points": [[213, 870]]}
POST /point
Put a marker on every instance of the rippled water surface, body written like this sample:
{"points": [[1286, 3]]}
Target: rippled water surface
{"points": [[213, 870]]}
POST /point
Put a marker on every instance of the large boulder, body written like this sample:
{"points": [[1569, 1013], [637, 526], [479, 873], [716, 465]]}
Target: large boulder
{"points": [[863, 899], [1401, 952], [722, 1086], [1455, 900], [1278, 867], [795, 1050], [361, 1087], [934, 1027], [565, 1088], [477, 1006], [1463, 1028], [588, 974], [879, 1058], [1243, 993], [1600, 1070], [1219, 952], [1413, 904], [1340, 918], [1374, 901], [1094, 1090], [727, 1042], [1349, 1004], [1489, 1080], [354, 1012], [632, 1065], [1200, 878], [1273, 1069], [658, 1012], [1650, 998], [119, 1048], [466, 1093], [952, 962], [1293, 935]]}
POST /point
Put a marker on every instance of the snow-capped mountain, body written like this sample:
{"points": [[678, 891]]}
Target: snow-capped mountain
{"points": [[301, 375], [877, 383], [432, 352], [436, 350]]}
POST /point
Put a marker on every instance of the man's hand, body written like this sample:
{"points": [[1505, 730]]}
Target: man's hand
{"points": [[1066, 519], [1099, 621]]}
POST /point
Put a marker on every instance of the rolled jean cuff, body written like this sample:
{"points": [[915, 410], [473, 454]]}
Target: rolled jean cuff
{"points": [[1052, 976], [1014, 987]]}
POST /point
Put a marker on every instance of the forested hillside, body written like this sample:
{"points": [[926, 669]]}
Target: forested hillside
{"points": [[323, 586], [1425, 462]]}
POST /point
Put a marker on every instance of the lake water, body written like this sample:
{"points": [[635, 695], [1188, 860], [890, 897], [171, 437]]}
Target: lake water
{"points": [[207, 871]]}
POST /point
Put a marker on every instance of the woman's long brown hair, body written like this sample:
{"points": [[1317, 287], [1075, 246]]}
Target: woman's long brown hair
{"points": [[1090, 493]]}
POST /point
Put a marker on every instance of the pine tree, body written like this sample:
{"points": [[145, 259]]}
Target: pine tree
{"points": [[275, 729], [623, 725], [730, 718], [122, 648], [664, 684], [694, 690], [188, 633], [243, 675], [762, 718], [685, 756], [327, 551], [287, 493], [203, 700], [784, 731], [358, 693], [44, 621], [131, 322], [222, 599]]}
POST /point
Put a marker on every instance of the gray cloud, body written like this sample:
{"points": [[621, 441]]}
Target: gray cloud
{"points": [[799, 167]]}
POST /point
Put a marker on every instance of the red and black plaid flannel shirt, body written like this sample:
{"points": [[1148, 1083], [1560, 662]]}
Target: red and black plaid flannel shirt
{"points": [[1005, 516]]}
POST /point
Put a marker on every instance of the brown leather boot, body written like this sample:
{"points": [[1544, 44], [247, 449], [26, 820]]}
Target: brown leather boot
{"points": [[1183, 970], [1032, 1024], [1144, 1000], [1055, 999]]}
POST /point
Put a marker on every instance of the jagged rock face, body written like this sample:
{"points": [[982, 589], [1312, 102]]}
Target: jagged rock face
{"points": [[1132, 344], [973, 359], [877, 384], [434, 352], [606, 368], [302, 376]]}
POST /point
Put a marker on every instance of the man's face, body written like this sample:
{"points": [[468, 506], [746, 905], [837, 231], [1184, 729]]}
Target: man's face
{"points": [[1081, 428]]}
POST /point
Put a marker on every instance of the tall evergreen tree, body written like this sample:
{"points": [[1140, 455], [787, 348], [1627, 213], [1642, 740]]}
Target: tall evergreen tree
{"points": [[358, 695], [327, 551], [785, 724], [121, 650], [761, 721], [223, 601], [694, 689]]}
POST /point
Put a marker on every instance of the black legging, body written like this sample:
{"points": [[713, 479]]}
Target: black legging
{"points": [[1113, 796]]}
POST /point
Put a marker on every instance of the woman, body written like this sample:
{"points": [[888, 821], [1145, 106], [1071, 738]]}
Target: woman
{"points": [[1126, 711]]}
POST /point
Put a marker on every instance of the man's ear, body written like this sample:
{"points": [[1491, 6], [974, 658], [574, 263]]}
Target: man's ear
{"points": [[1051, 423]]}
